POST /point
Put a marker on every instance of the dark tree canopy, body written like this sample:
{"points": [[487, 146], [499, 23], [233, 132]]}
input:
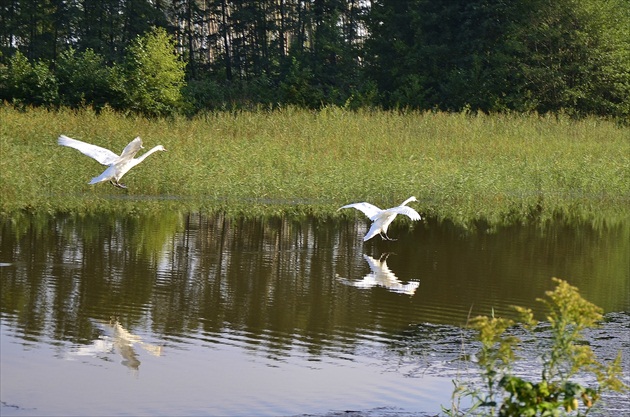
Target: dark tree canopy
{"points": [[487, 55]]}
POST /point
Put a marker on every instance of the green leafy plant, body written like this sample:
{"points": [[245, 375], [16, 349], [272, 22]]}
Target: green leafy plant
{"points": [[155, 74], [505, 394], [29, 83], [84, 79]]}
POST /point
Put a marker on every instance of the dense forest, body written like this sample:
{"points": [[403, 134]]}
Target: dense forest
{"points": [[160, 57]]}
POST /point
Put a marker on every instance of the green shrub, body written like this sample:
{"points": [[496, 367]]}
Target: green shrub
{"points": [[506, 394], [30, 84], [154, 75], [84, 79]]}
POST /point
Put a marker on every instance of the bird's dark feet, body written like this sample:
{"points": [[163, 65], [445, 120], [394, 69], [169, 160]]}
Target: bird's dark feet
{"points": [[119, 185], [385, 237]]}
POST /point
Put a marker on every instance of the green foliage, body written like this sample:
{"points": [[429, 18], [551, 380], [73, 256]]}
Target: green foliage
{"points": [[567, 55], [573, 55], [203, 94], [564, 56], [496, 354], [297, 87], [84, 79], [556, 393], [29, 84], [154, 75]]}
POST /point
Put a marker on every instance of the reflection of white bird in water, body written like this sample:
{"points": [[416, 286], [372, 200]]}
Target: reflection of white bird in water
{"points": [[382, 276], [382, 218], [117, 165], [118, 339]]}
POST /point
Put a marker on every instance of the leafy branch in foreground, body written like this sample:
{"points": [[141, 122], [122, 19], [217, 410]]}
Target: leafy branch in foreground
{"points": [[556, 394]]}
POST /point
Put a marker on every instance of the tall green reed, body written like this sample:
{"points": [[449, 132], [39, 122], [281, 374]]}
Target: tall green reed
{"points": [[502, 168]]}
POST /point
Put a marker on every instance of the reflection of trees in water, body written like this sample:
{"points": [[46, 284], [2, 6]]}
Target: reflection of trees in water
{"points": [[181, 273], [513, 264], [268, 277], [273, 280], [68, 268]]}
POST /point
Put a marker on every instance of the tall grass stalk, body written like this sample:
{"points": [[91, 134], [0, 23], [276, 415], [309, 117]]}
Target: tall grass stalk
{"points": [[501, 168]]}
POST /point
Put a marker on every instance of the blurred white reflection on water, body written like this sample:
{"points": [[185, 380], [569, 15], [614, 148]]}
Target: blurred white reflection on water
{"points": [[382, 276], [200, 377], [115, 340]]}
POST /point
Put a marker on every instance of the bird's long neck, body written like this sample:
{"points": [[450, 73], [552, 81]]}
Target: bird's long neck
{"points": [[404, 203], [147, 153]]}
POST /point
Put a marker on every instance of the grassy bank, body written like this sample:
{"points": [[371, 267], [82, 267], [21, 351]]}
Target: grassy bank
{"points": [[462, 167]]}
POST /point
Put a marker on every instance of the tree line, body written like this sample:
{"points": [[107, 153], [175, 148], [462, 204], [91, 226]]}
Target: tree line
{"points": [[164, 56]]}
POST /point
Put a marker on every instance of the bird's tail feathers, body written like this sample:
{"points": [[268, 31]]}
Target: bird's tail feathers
{"points": [[103, 177], [371, 233]]}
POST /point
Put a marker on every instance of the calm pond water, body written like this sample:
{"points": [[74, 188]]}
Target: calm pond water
{"points": [[184, 314]]}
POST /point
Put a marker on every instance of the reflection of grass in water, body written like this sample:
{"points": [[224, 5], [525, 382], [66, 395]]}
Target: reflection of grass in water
{"points": [[503, 168], [146, 234]]}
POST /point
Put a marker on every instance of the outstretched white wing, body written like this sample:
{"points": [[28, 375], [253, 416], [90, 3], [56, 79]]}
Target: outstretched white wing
{"points": [[131, 149], [407, 211], [368, 209], [102, 155]]}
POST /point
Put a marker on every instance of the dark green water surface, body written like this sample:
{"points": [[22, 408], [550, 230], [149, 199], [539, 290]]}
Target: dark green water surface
{"points": [[185, 314]]}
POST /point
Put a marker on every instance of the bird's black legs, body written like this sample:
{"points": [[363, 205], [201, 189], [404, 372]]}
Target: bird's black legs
{"points": [[385, 237], [117, 184]]}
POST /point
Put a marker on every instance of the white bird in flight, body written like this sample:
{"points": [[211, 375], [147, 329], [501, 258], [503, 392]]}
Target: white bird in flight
{"points": [[382, 218], [117, 166]]}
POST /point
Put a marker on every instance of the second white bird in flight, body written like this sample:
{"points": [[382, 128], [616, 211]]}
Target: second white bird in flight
{"points": [[382, 218]]}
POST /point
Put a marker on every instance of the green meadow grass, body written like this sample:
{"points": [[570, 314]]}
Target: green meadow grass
{"points": [[462, 167]]}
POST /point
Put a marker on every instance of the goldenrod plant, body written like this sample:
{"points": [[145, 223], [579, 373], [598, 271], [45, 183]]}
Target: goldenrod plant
{"points": [[564, 357]]}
